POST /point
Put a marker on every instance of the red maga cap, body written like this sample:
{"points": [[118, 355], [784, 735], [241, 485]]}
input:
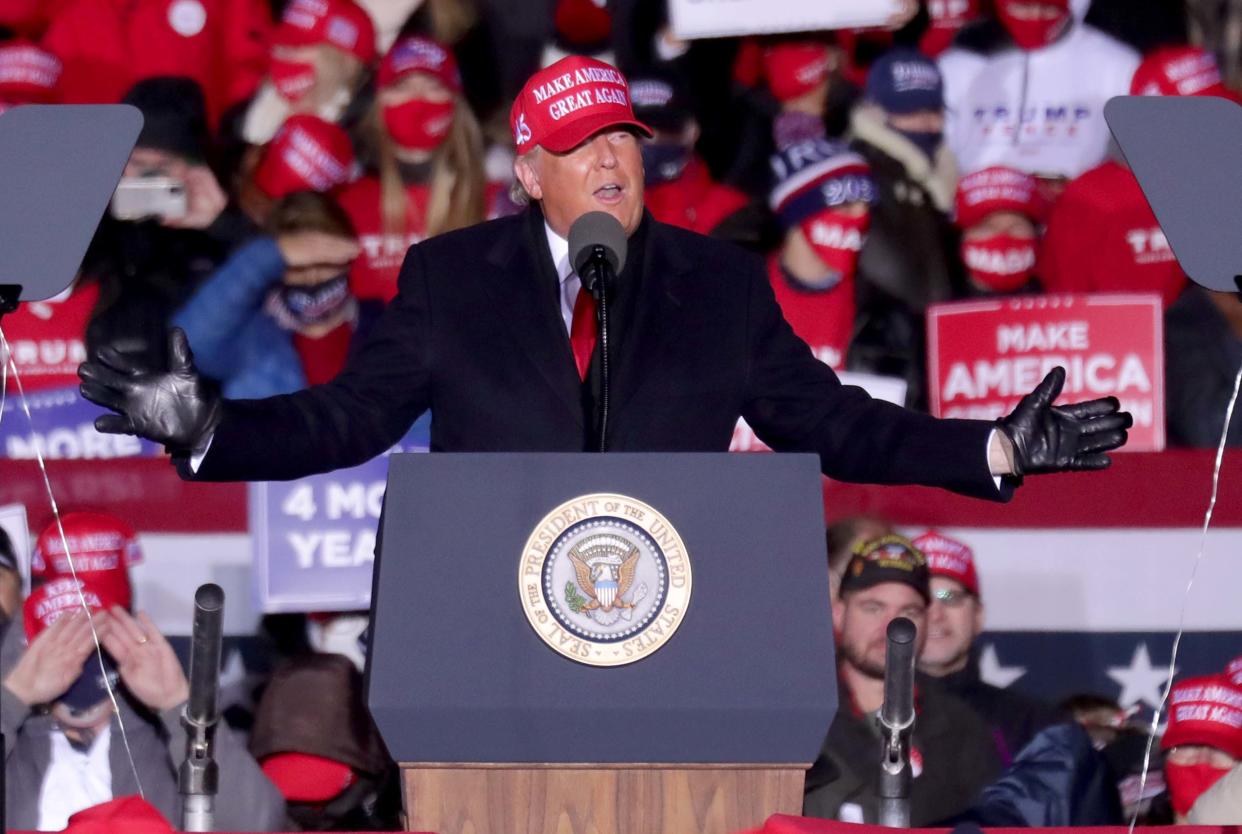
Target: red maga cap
{"points": [[306, 154], [1205, 710], [949, 558], [563, 105], [339, 23], [102, 546], [998, 189], [419, 54], [1178, 71], [28, 74]]}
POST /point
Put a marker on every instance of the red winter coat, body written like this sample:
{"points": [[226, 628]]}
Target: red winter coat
{"points": [[1103, 237], [824, 319], [693, 201], [108, 45]]}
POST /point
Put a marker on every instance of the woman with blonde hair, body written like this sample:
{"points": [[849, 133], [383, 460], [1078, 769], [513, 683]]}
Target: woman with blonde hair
{"points": [[429, 152]]}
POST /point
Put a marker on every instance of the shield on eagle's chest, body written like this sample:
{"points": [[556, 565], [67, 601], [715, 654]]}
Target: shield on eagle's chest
{"points": [[606, 591]]}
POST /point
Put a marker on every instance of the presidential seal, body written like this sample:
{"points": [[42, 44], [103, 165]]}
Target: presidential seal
{"points": [[604, 579]]}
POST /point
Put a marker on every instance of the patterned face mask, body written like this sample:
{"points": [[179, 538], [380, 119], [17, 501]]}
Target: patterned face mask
{"points": [[310, 304]]}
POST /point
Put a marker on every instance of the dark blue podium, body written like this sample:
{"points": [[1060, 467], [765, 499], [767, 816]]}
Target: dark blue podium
{"points": [[617, 642]]}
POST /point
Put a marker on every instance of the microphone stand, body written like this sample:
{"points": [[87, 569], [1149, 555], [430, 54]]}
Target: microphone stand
{"points": [[9, 295], [596, 278], [896, 724], [198, 779]]}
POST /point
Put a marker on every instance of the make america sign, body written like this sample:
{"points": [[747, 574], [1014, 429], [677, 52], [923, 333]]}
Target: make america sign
{"points": [[983, 356]]}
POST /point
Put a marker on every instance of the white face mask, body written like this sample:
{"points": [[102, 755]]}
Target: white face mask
{"points": [[340, 634]]}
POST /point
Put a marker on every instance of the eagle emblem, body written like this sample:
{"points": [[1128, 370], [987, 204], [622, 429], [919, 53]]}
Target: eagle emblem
{"points": [[604, 567]]}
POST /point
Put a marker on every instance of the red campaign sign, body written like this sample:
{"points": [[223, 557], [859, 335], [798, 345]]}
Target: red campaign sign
{"points": [[983, 356]]}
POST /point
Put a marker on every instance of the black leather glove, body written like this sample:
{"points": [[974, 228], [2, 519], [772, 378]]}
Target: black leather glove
{"points": [[176, 408], [1066, 438]]}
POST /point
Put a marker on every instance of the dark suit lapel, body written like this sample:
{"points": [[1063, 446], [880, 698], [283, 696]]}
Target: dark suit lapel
{"points": [[654, 322], [523, 289]]}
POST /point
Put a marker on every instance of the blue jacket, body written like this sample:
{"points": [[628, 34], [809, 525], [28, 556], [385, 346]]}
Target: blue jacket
{"points": [[1057, 780], [234, 341]]}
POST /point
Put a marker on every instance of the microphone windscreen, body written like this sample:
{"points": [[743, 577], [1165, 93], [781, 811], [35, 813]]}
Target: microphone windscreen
{"points": [[597, 228]]}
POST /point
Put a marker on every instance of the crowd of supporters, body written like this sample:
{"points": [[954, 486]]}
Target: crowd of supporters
{"points": [[293, 151]]}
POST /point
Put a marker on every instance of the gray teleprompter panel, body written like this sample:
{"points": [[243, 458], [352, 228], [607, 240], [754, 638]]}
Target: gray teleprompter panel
{"points": [[1186, 152], [59, 165], [456, 673]]}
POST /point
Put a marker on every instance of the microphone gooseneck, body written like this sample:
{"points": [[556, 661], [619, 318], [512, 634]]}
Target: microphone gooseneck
{"points": [[896, 723], [597, 251], [198, 778]]}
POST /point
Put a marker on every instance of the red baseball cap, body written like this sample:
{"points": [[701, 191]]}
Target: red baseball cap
{"points": [[568, 102], [949, 558], [306, 154], [131, 814], [57, 597], [1179, 71], [28, 74], [303, 777], [1205, 710], [339, 23], [998, 189], [794, 68], [419, 54], [103, 548]]}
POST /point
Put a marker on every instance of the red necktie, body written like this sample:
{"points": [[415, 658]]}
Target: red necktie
{"points": [[582, 331]]}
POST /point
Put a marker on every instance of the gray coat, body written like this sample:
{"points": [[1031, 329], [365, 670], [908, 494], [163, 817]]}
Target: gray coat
{"points": [[247, 801]]}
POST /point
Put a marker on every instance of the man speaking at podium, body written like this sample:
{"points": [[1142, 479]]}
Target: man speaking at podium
{"points": [[491, 332]]}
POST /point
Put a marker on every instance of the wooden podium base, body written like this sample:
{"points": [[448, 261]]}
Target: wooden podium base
{"points": [[597, 799]]}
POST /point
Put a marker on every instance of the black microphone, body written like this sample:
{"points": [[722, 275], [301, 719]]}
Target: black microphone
{"points": [[896, 724], [597, 251], [199, 776]]}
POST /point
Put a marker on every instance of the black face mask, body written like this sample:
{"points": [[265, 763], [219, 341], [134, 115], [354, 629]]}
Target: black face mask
{"points": [[664, 162], [309, 304], [925, 141]]}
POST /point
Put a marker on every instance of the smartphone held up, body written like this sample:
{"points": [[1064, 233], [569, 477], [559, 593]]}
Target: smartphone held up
{"points": [[139, 198]]}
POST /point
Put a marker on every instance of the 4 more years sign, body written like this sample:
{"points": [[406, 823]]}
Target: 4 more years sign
{"points": [[983, 356]]}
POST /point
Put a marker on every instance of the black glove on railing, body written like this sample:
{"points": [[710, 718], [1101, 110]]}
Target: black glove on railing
{"points": [[1064, 438], [175, 408]]}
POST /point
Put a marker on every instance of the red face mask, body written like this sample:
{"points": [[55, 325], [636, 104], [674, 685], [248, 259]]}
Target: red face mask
{"points": [[419, 125], [1031, 34], [1188, 782], [1001, 263], [293, 79], [837, 239]]}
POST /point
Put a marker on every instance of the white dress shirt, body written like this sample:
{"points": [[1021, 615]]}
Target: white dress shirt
{"points": [[570, 282], [75, 779]]}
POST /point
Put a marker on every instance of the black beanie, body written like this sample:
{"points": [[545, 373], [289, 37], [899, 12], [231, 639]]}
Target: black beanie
{"points": [[174, 114]]}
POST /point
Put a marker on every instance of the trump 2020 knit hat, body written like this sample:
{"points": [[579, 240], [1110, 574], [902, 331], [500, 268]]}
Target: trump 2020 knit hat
{"points": [[568, 102], [815, 174]]}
